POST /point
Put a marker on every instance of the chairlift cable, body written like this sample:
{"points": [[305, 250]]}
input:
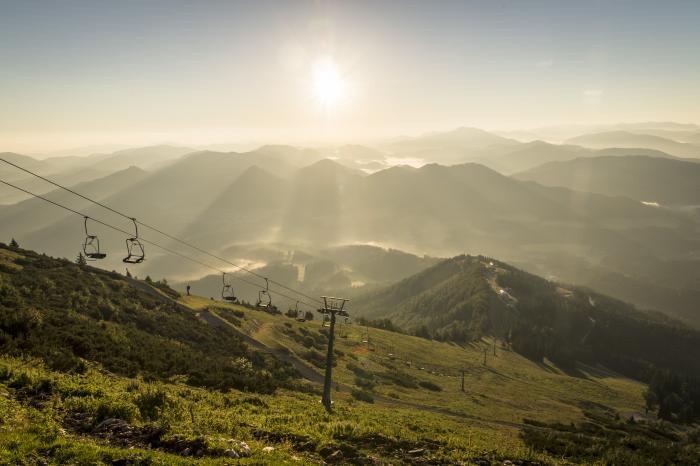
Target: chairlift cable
{"points": [[167, 235], [152, 243]]}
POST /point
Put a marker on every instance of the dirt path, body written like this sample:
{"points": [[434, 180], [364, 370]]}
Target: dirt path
{"points": [[310, 374], [283, 354]]}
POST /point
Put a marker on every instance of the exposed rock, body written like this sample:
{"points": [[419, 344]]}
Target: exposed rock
{"points": [[334, 457], [121, 462], [111, 424], [242, 448], [268, 449], [327, 450]]}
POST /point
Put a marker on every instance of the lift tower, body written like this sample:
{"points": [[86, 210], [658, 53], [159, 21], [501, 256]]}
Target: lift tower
{"points": [[331, 307]]}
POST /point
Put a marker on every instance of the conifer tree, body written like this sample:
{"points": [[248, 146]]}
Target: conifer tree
{"points": [[80, 260]]}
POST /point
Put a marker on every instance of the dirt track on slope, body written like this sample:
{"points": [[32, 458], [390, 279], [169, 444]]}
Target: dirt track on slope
{"points": [[283, 354], [313, 376]]}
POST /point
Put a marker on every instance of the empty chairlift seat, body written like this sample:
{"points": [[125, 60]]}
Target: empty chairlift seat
{"points": [[134, 249], [91, 245]]}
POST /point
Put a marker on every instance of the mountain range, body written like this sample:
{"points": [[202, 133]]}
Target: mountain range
{"points": [[607, 233], [71, 170], [466, 297], [636, 140], [644, 178]]}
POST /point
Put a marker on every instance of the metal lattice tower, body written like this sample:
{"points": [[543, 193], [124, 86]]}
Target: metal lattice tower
{"points": [[331, 307]]}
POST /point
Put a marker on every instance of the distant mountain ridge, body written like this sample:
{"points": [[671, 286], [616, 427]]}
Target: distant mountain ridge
{"points": [[455, 146], [631, 140], [143, 157], [279, 194], [212, 198], [665, 181], [32, 214], [71, 170]]}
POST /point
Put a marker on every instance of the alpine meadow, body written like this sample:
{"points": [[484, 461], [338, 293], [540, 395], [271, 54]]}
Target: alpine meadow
{"points": [[296, 232]]}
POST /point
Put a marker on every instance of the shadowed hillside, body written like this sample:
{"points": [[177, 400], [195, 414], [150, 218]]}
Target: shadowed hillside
{"points": [[465, 298]]}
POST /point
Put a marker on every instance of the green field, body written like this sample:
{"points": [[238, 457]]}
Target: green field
{"points": [[36, 403], [397, 398], [35, 423], [507, 388]]}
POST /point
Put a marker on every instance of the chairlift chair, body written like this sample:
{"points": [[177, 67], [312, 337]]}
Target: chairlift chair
{"points": [[299, 312], [227, 293], [264, 298], [91, 245], [135, 252]]}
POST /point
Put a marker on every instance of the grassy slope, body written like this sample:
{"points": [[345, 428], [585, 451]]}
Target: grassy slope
{"points": [[32, 432], [484, 421], [508, 388], [60, 312]]}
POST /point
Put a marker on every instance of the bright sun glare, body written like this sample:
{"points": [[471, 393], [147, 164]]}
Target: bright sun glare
{"points": [[328, 85]]}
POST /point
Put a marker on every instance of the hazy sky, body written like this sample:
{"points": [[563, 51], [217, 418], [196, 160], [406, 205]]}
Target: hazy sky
{"points": [[193, 72]]}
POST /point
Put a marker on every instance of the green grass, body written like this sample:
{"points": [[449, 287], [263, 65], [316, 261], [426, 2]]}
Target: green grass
{"points": [[35, 426], [395, 394], [508, 388], [36, 403]]}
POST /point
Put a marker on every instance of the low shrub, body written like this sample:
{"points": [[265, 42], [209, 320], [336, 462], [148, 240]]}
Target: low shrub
{"points": [[400, 378], [363, 395], [367, 384], [430, 386], [151, 403], [358, 371]]}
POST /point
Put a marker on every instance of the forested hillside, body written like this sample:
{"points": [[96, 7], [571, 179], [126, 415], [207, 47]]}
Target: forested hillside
{"points": [[66, 314], [465, 298]]}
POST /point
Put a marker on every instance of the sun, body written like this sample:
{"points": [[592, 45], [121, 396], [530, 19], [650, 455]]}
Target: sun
{"points": [[329, 87]]}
